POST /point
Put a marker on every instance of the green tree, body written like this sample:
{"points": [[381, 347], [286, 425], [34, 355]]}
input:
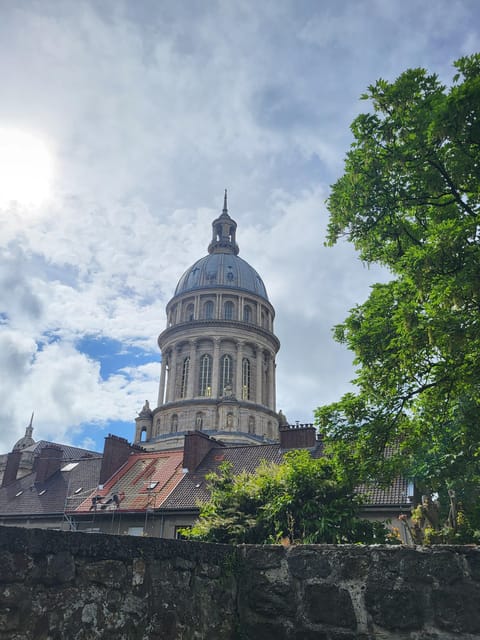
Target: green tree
{"points": [[303, 499], [409, 199]]}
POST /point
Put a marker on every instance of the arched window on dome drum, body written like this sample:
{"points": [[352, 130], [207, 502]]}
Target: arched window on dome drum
{"points": [[227, 375], [247, 314], [189, 314], [185, 370], [228, 310], [205, 376], [208, 310], [174, 423], [251, 424], [246, 379]]}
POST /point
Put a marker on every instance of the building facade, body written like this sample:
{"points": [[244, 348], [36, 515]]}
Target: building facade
{"points": [[218, 352]]}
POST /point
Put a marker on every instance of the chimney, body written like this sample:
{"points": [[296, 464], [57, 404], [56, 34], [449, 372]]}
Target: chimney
{"points": [[11, 468], [298, 436], [48, 461], [115, 453], [195, 448]]}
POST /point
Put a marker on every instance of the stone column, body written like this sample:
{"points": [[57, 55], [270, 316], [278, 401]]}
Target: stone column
{"points": [[215, 367], [258, 394], [271, 381], [172, 375], [192, 374], [238, 375], [161, 390]]}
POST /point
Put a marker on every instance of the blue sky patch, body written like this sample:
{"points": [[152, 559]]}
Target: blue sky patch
{"points": [[112, 354]]}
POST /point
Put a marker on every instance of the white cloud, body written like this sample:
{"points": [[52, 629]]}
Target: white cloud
{"points": [[150, 110]]}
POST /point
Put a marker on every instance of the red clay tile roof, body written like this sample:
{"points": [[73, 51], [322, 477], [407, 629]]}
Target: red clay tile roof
{"points": [[143, 482]]}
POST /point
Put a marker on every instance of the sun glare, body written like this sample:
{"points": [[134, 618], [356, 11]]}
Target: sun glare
{"points": [[26, 168]]}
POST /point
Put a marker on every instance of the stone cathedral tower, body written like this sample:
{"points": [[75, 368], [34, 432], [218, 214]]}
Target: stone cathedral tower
{"points": [[218, 352]]}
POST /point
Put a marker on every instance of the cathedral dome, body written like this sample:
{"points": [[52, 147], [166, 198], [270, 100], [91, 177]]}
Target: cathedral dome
{"points": [[222, 267], [221, 270]]}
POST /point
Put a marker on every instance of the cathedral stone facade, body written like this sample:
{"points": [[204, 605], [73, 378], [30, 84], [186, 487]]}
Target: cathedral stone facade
{"points": [[218, 352]]}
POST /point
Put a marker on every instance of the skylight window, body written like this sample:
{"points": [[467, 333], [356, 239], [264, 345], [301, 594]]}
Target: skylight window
{"points": [[152, 485], [78, 490], [70, 466], [42, 492], [19, 493]]}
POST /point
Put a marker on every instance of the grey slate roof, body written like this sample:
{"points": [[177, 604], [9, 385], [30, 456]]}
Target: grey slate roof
{"points": [[26, 497], [69, 452], [221, 270], [395, 494], [192, 489]]}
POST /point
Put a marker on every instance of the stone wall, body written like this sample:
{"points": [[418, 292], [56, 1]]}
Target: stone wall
{"points": [[360, 593], [78, 586], [56, 585]]}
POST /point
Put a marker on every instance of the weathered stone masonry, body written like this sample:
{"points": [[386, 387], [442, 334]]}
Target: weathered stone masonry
{"points": [[58, 585], [72, 586]]}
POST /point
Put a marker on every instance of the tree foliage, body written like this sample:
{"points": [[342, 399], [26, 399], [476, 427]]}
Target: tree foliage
{"points": [[303, 499], [409, 199]]}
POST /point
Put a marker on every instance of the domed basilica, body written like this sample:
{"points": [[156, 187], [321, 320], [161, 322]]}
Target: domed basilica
{"points": [[218, 353]]}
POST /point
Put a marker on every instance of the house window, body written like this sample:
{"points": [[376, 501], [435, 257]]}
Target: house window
{"points": [[179, 531], [205, 379], [247, 314], [184, 385], [227, 375], [208, 310], [246, 378], [228, 310]]}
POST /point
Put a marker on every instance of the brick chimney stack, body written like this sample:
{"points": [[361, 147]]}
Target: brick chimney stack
{"points": [[297, 436], [115, 453], [196, 447], [11, 468], [48, 461]]}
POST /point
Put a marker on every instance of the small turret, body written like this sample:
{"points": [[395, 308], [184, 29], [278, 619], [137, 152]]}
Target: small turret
{"points": [[223, 232], [144, 423]]}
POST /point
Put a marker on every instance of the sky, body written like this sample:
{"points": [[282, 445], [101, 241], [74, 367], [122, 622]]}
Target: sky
{"points": [[121, 124]]}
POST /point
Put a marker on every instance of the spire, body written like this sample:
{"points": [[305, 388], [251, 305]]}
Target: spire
{"points": [[223, 232], [27, 439], [225, 208], [29, 429]]}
